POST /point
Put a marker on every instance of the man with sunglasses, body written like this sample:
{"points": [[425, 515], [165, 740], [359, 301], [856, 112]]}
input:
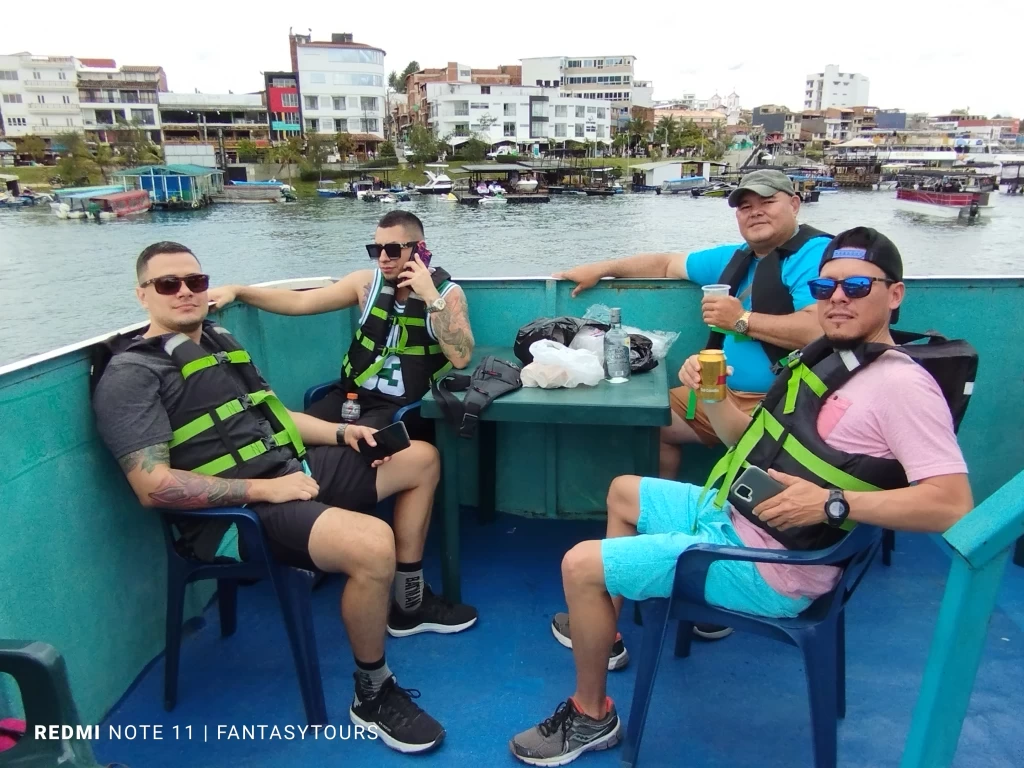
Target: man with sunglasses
{"points": [[414, 325], [193, 425], [854, 430]]}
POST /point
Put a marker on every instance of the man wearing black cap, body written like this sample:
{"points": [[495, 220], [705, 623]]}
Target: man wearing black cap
{"points": [[768, 313], [853, 430]]}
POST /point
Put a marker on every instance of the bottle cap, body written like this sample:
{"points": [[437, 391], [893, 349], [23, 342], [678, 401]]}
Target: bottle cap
{"points": [[351, 396], [615, 315]]}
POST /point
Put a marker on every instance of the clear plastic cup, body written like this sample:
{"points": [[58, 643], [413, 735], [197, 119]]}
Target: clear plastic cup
{"points": [[717, 289]]}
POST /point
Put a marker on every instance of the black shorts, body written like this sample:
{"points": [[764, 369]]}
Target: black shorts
{"points": [[375, 411], [345, 481]]}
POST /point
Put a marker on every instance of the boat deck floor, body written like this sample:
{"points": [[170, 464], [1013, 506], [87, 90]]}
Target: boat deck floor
{"points": [[737, 703]]}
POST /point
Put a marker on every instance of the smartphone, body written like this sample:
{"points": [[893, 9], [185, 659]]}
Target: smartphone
{"points": [[390, 440], [753, 486]]}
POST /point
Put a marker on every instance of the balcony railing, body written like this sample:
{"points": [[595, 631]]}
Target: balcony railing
{"points": [[50, 84], [68, 108]]}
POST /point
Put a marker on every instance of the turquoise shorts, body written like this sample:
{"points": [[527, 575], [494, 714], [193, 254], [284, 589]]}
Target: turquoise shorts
{"points": [[672, 519]]}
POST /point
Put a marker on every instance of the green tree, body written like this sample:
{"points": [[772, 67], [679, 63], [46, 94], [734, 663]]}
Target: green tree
{"points": [[247, 151], [346, 146], [667, 131], [135, 146], [105, 159], [387, 149], [318, 149], [34, 147], [288, 154], [423, 143], [397, 80], [76, 164], [639, 131], [474, 149]]}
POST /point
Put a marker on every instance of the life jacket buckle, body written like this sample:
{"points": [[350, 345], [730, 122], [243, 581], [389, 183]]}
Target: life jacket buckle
{"points": [[221, 357], [246, 402], [269, 442]]}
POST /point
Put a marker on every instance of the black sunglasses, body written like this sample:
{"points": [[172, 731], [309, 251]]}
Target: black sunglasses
{"points": [[170, 285], [854, 287], [393, 250]]}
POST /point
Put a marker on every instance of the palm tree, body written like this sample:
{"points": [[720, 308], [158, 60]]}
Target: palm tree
{"points": [[638, 129], [288, 153], [667, 131], [105, 159]]}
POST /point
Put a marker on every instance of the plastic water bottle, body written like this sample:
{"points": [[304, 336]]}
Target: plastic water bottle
{"points": [[616, 350], [350, 410]]}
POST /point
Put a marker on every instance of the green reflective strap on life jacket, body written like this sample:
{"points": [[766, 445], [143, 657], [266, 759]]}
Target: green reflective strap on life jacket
{"points": [[734, 460], [378, 312], [364, 340], [691, 405], [417, 321], [247, 452], [802, 373], [285, 420], [235, 356], [442, 371]]}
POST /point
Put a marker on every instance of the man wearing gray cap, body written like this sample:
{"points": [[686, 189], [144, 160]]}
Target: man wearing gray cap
{"points": [[768, 313]]}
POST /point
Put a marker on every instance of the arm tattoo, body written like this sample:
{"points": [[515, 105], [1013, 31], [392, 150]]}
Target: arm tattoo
{"points": [[451, 327], [365, 295], [187, 490], [146, 458]]}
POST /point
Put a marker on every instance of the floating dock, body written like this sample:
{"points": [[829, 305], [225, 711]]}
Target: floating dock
{"points": [[466, 198]]}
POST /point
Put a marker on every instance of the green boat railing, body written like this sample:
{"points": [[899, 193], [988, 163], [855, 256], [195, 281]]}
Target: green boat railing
{"points": [[981, 542]]}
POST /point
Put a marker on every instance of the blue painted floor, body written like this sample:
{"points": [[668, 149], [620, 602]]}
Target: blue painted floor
{"points": [[737, 703]]}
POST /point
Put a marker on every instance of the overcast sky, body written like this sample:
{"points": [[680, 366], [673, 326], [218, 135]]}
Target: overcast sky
{"points": [[929, 58]]}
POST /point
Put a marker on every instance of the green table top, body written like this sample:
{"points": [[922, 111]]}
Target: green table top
{"points": [[640, 402]]}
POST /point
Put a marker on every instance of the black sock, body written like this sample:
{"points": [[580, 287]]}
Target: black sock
{"points": [[370, 678], [409, 586]]}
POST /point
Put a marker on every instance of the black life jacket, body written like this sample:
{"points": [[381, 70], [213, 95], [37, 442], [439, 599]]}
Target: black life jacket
{"points": [[491, 379], [421, 357], [783, 432], [225, 422], [768, 294]]}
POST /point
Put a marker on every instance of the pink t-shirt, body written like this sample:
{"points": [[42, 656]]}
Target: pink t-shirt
{"points": [[893, 409]]}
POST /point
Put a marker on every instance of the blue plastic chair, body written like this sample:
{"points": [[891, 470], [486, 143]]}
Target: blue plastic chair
{"points": [[291, 585], [318, 392], [819, 632]]}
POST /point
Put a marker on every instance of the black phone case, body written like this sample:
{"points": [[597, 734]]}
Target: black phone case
{"points": [[761, 487], [390, 440]]}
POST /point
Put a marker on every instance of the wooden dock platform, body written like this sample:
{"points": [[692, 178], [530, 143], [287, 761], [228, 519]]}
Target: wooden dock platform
{"points": [[466, 198]]}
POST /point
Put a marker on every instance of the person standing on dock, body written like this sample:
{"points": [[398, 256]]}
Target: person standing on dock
{"points": [[414, 326], [767, 313]]}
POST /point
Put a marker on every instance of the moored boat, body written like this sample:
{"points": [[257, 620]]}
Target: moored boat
{"points": [[947, 193], [438, 183]]}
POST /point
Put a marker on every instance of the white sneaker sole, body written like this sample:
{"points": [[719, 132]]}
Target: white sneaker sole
{"points": [[443, 629], [607, 741], [614, 662], [395, 744]]}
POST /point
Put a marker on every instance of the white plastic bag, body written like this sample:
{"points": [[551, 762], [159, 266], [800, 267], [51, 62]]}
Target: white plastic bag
{"points": [[555, 365], [661, 341], [590, 338]]}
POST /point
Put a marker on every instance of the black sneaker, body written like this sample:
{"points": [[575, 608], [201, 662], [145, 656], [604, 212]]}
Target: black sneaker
{"points": [[711, 631], [397, 719], [435, 614], [566, 735], [619, 656]]}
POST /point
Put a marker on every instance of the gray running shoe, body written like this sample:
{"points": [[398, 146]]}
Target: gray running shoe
{"points": [[619, 657], [565, 735]]}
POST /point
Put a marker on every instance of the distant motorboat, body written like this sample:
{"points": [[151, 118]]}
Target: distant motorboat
{"points": [[685, 184], [437, 183], [527, 185]]}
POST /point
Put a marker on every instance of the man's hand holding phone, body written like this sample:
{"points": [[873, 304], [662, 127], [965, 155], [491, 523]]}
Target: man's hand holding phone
{"points": [[357, 435], [377, 446]]}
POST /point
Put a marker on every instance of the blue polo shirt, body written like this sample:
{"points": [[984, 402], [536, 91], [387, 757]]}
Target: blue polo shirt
{"points": [[752, 371]]}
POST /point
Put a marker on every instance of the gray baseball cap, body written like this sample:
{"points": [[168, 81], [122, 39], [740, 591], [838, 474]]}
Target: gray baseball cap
{"points": [[764, 183]]}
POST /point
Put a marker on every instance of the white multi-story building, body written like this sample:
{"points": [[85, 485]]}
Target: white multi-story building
{"points": [[604, 78], [341, 86], [520, 114], [115, 98], [39, 95], [833, 88]]}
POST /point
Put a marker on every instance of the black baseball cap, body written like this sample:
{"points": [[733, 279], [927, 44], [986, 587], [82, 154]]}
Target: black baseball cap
{"points": [[868, 245]]}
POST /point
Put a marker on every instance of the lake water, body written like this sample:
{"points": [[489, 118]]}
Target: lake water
{"points": [[63, 281]]}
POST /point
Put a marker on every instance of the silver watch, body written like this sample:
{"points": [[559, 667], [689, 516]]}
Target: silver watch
{"points": [[340, 434], [436, 305]]}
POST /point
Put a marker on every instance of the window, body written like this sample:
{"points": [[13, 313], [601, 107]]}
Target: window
{"points": [[509, 129], [36, 76], [600, 131], [8, 74], [318, 78], [479, 105], [600, 113], [484, 89], [280, 82], [62, 75], [327, 125], [67, 99], [289, 99], [353, 102], [12, 98], [44, 121], [368, 103], [12, 121], [592, 110], [588, 62], [540, 82], [291, 118], [144, 116], [40, 98], [579, 130], [70, 121], [561, 110], [339, 103], [536, 129], [465, 73], [353, 124], [559, 130], [462, 129], [591, 128], [312, 102], [510, 110], [581, 112], [368, 80], [355, 56], [312, 125], [370, 125], [574, 63]]}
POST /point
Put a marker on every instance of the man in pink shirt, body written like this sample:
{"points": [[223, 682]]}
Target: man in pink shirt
{"points": [[875, 423]]}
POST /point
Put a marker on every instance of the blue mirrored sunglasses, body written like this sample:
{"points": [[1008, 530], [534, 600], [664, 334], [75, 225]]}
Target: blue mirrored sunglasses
{"points": [[853, 287]]}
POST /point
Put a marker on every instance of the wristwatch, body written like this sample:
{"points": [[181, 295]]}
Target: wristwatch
{"points": [[340, 434], [743, 323], [837, 508], [436, 305]]}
